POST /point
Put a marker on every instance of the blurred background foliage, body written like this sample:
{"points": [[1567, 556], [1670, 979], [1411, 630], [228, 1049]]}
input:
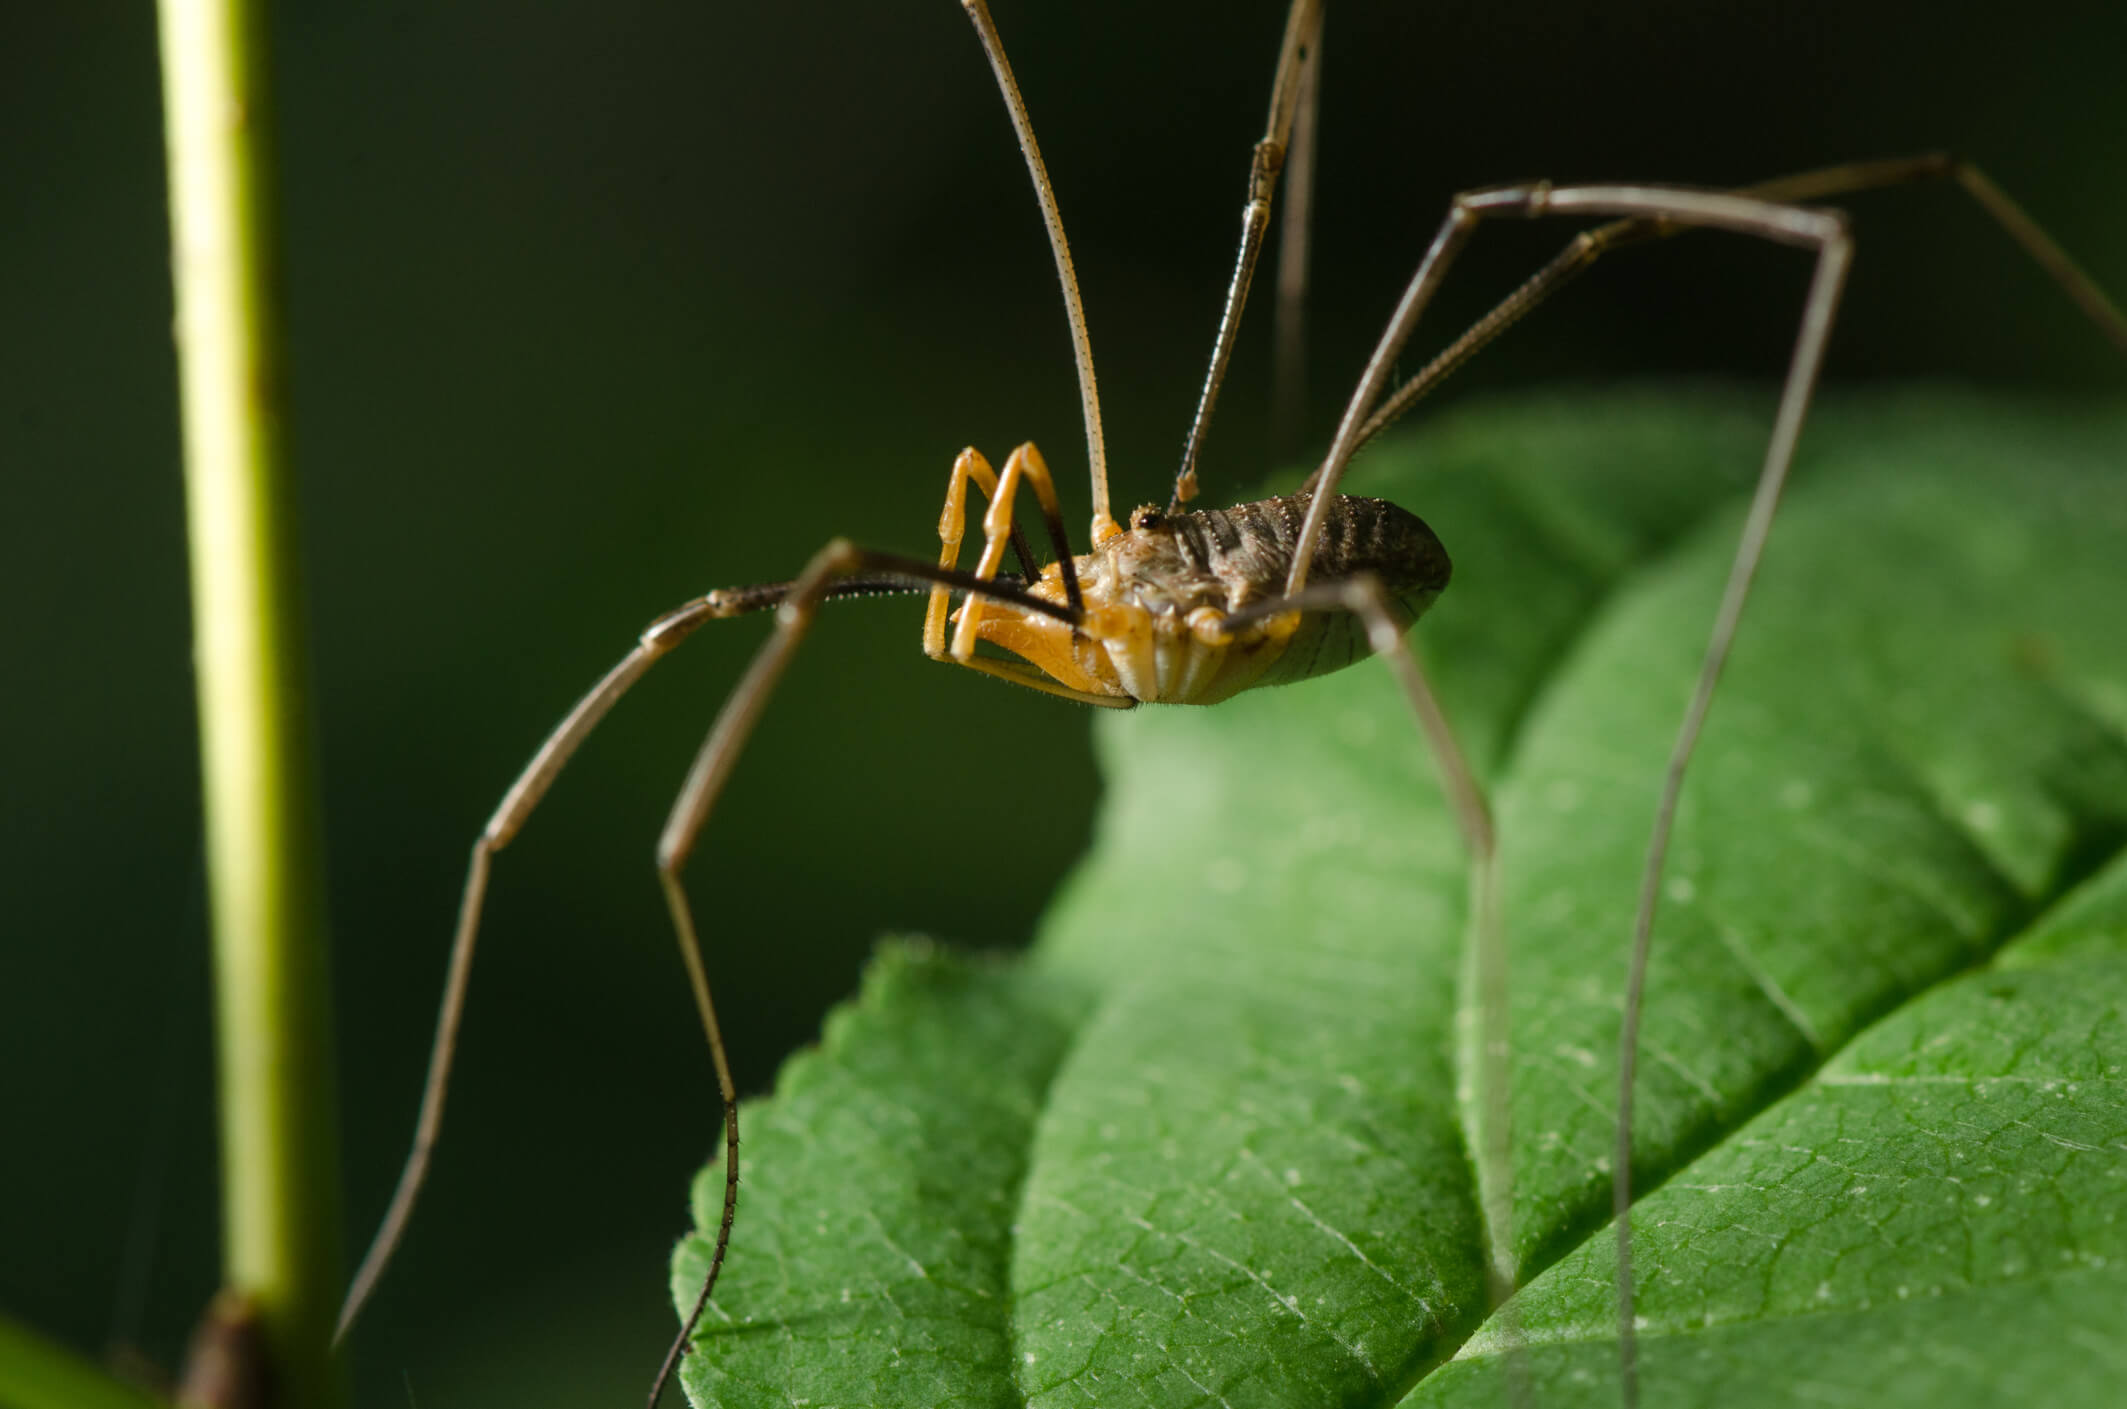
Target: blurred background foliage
{"points": [[593, 307]]}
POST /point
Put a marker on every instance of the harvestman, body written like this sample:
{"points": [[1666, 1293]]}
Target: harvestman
{"points": [[1191, 607]]}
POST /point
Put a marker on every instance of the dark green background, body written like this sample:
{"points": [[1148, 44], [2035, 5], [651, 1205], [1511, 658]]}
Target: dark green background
{"points": [[594, 307]]}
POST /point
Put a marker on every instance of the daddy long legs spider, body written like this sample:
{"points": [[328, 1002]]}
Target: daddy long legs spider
{"points": [[426, 640], [1190, 606]]}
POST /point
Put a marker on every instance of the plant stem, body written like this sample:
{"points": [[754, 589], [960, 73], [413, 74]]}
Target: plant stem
{"points": [[279, 1160]]}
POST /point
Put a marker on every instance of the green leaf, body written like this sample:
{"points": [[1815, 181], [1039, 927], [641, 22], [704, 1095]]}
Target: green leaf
{"points": [[36, 1373], [1208, 1144]]}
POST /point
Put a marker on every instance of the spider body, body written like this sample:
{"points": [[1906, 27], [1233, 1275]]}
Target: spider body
{"points": [[1196, 607], [1160, 596]]}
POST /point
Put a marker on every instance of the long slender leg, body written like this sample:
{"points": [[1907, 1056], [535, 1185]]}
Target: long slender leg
{"points": [[1823, 230], [1824, 183], [1364, 598], [509, 818], [1303, 27], [1104, 525], [1288, 396], [1491, 1043], [525, 794], [705, 782], [1826, 232]]}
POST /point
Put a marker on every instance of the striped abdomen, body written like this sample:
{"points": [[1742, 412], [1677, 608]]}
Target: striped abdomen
{"points": [[1156, 593]]}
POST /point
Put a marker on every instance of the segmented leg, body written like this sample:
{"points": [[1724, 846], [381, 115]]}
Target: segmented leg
{"points": [[1648, 212], [1104, 526], [1024, 463], [1825, 232], [796, 606], [998, 528], [1303, 31], [1823, 183], [888, 572], [509, 818], [1288, 396], [1364, 598], [969, 466]]}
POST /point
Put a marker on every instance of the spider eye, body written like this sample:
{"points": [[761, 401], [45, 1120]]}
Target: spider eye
{"points": [[1148, 518]]}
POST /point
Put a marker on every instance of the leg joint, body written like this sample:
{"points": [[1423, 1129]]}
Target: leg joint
{"points": [[1528, 198]]}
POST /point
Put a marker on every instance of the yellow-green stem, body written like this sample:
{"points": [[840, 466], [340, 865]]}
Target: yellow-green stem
{"points": [[279, 1161]]}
